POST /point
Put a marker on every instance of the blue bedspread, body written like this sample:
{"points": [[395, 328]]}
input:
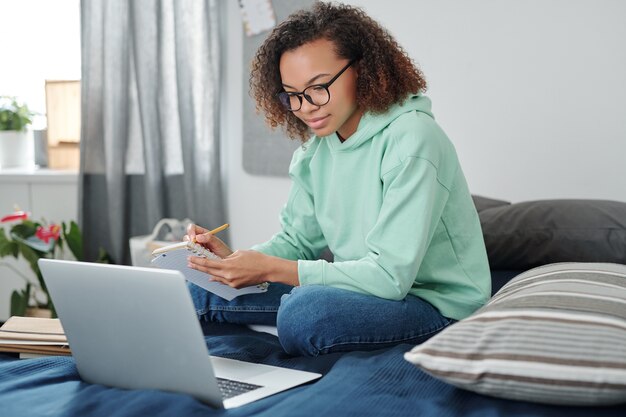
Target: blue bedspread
{"points": [[379, 383]]}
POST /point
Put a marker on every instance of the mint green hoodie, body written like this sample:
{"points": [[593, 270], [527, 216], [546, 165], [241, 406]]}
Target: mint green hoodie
{"points": [[392, 205]]}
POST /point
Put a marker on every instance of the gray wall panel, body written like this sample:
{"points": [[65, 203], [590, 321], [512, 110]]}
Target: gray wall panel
{"points": [[265, 152]]}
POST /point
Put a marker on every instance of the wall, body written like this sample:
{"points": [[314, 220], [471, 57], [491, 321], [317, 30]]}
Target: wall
{"points": [[253, 202], [531, 93]]}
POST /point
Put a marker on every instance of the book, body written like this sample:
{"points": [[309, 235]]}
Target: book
{"points": [[175, 257], [33, 336], [25, 355]]}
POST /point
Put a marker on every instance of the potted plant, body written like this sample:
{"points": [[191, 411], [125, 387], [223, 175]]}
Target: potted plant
{"points": [[14, 139], [34, 240]]}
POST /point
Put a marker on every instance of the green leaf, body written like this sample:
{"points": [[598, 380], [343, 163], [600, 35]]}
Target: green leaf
{"points": [[36, 244], [19, 301], [74, 240], [104, 257], [25, 229], [7, 247], [60, 239], [13, 115], [50, 307], [32, 257]]}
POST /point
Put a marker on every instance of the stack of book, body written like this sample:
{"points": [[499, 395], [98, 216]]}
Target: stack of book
{"points": [[33, 337]]}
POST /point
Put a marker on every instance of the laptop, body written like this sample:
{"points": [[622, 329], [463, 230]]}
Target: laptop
{"points": [[136, 328]]}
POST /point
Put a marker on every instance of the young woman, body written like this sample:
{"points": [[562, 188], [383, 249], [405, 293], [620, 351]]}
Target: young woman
{"points": [[376, 181]]}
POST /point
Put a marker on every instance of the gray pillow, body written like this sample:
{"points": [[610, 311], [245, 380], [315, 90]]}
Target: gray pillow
{"points": [[483, 203], [555, 334], [529, 234]]}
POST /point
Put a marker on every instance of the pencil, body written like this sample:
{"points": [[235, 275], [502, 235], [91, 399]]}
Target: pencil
{"points": [[216, 230], [219, 229], [181, 245]]}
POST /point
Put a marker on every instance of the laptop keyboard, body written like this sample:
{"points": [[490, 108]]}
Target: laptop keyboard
{"points": [[230, 388]]}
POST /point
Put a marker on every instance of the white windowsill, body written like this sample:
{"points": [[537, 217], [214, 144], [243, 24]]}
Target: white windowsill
{"points": [[38, 174]]}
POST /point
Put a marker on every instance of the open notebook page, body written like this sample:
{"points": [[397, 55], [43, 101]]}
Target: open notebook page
{"points": [[177, 259]]}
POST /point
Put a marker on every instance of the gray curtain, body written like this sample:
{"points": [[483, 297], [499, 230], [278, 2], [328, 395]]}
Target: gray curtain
{"points": [[149, 121]]}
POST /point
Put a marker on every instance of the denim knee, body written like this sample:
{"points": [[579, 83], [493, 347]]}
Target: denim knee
{"points": [[316, 319], [301, 319]]}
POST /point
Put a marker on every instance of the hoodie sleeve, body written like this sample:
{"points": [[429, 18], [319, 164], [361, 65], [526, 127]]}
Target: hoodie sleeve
{"points": [[414, 200], [300, 236]]}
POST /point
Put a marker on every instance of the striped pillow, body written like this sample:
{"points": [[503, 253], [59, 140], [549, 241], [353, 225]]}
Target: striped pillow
{"points": [[555, 334]]}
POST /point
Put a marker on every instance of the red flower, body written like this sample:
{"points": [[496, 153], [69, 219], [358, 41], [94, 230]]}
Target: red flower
{"points": [[48, 232], [17, 215]]}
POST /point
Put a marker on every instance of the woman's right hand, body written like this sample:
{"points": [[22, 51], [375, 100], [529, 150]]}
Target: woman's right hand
{"points": [[209, 241]]}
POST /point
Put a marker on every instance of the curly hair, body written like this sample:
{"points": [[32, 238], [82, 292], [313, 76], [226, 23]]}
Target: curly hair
{"points": [[386, 74]]}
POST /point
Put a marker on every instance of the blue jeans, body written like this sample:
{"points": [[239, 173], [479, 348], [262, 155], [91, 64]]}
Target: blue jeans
{"points": [[314, 319]]}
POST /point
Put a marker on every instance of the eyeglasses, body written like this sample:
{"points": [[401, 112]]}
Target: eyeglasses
{"points": [[316, 94]]}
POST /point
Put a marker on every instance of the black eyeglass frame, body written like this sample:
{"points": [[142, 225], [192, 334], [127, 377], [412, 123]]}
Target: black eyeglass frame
{"points": [[307, 97]]}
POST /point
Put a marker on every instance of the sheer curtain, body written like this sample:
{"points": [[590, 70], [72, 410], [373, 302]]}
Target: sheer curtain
{"points": [[149, 118]]}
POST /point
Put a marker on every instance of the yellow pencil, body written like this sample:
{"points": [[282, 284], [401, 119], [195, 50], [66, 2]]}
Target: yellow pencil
{"points": [[219, 229], [185, 244], [216, 230]]}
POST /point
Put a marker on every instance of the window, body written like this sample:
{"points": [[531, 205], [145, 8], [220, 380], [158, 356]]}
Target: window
{"points": [[42, 48]]}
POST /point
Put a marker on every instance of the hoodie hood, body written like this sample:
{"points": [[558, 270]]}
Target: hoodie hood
{"points": [[371, 124]]}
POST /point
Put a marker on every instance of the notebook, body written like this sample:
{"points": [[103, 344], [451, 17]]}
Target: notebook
{"points": [[33, 335], [175, 257]]}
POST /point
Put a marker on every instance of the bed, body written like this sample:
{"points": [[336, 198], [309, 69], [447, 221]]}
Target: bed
{"points": [[377, 383]]}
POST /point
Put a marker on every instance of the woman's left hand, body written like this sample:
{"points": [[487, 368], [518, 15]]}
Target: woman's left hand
{"points": [[241, 269]]}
